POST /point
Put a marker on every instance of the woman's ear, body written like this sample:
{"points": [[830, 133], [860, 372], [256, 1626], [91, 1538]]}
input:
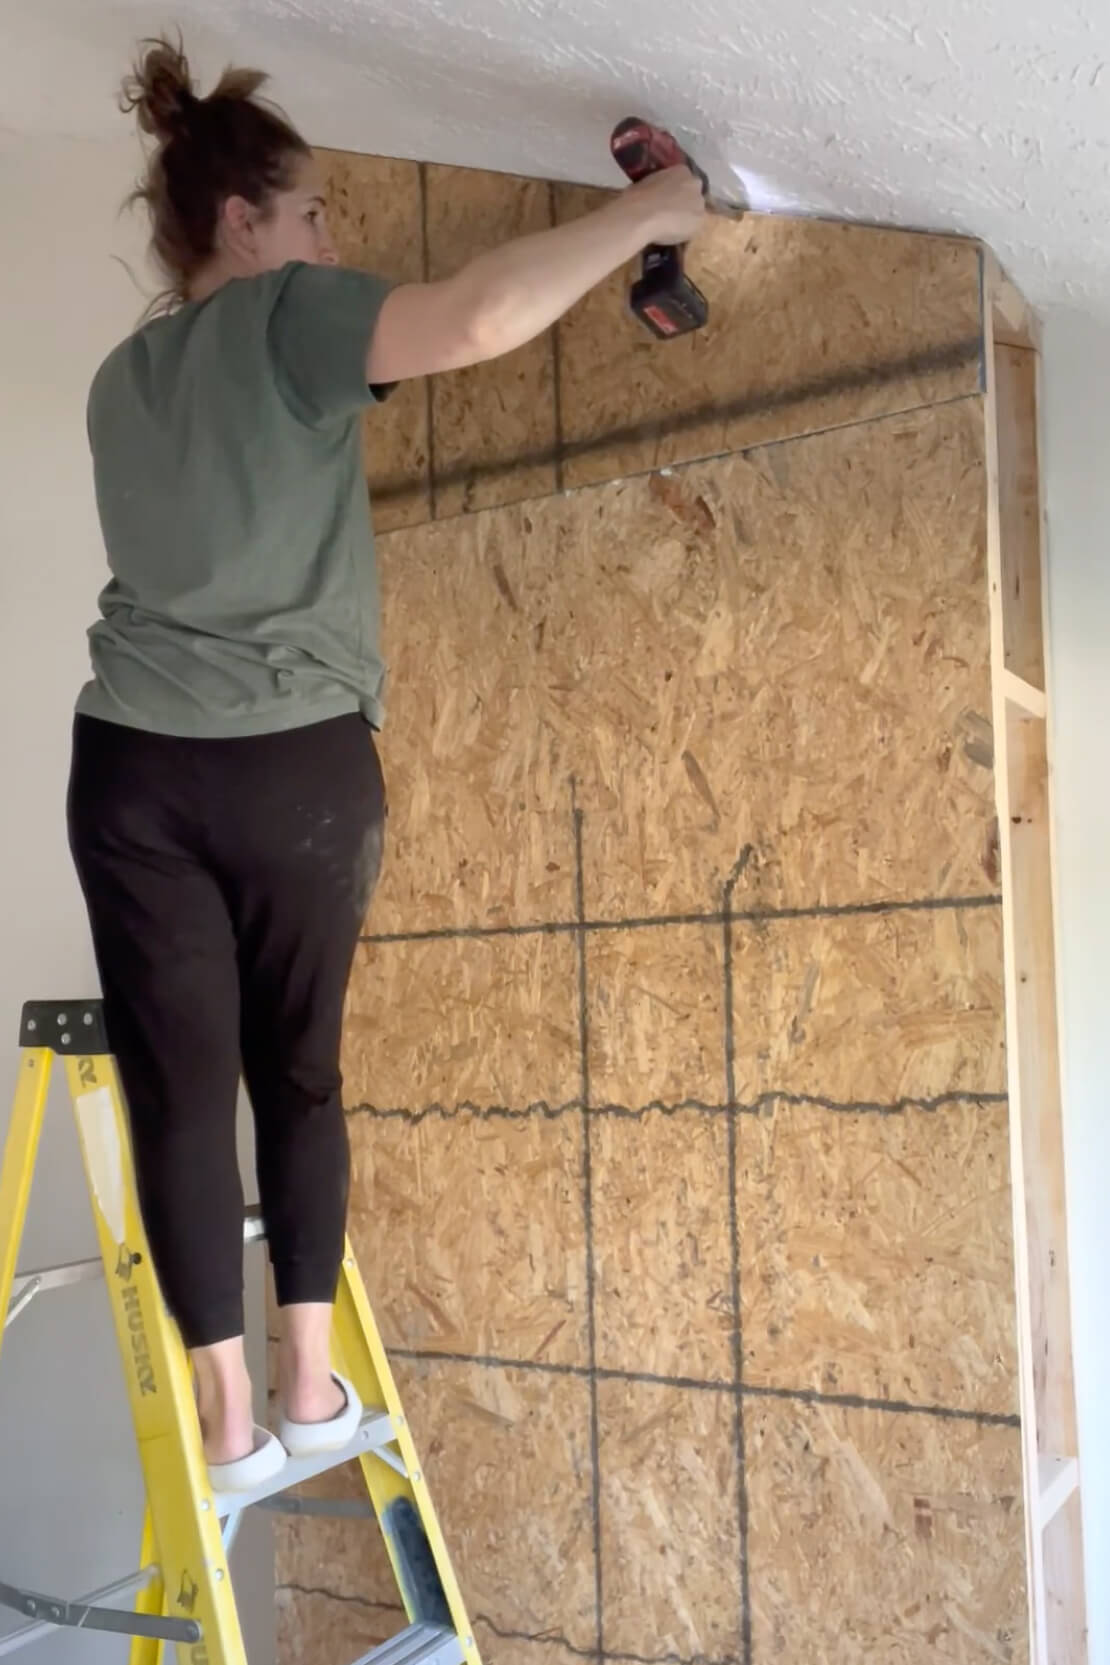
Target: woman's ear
{"points": [[237, 219]]}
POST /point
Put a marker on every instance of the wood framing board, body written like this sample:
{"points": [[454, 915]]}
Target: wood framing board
{"points": [[1019, 509], [450, 1034], [685, 970], [670, 1545], [495, 1055], [772, 661], [1036, 1044], [660, 1237], [494, 424], [1011, 321], [314, 1625], [925, 1561], [876, 1255], [487, 1240], [1064, 1597], [810, 325], [506, 1452], [376, 214], [1023, 774]]}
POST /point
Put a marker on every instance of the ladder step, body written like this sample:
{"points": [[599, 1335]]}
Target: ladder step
{"points": [[189, 1526], [375, 1431], [418, 1645]]}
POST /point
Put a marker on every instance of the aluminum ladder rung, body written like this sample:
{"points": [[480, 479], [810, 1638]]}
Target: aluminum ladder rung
{"points": [[26, 1285], [374, 1431], [50, 1613], [420, 1644]]}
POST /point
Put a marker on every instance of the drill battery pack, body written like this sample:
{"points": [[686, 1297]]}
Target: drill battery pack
{"points": [[666, 298]]}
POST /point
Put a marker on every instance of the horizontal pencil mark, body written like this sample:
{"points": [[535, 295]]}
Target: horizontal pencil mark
{"points": [[557, 1640], [755, 1107], [293, 1588], [749, 1390], [899, 1407], [956, 356], [552, 1637], [713, 916]]}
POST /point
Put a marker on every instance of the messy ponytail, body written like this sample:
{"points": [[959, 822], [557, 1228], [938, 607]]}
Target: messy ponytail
{"points": [[230, 143]]}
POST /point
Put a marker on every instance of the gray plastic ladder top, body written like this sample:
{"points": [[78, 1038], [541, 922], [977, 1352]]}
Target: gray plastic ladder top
{"points": [[418, 1645]]}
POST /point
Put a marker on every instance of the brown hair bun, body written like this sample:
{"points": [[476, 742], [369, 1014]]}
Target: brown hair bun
{"points": [[160, 90]]}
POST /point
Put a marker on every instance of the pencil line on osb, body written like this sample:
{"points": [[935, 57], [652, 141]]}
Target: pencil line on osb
{"points": [[552, 1638], [732, 1181], [429, 381], [708, 917], [749, 1389], [587, 1204], [764, 1105], [963, 354], [556, 367]]}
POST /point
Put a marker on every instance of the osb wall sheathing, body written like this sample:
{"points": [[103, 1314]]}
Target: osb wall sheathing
{"points": [[674, 1051]]}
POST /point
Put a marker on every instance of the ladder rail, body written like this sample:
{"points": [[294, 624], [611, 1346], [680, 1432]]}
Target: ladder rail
{"points": [[20, 1150], [183, 1592]]}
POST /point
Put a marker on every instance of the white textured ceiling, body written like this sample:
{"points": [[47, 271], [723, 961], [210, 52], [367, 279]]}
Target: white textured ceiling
{"points": [[984, 116]]}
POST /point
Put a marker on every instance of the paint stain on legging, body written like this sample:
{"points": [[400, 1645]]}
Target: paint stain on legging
{"points": [[368, 865]]}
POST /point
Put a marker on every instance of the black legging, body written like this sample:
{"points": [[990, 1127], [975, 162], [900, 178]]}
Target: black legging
{"points": [[226, 883]]}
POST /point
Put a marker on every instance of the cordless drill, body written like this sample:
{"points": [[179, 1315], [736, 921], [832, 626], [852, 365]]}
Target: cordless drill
{"points": [[663, 297]]}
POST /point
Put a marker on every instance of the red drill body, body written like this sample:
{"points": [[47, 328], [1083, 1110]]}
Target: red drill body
{"points": [[663, 297]]}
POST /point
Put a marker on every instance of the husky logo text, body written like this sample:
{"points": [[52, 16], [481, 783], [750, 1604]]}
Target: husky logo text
{"points": [[132, 1304]]}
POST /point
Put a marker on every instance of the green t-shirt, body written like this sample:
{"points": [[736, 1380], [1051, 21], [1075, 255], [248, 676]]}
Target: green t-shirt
{"points": [[230, 486]]}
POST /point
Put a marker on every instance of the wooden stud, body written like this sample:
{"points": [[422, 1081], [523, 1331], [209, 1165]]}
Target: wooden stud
{"points": [[1034, 1050], [1015, 370], [1013, 321], [1022, 773], [1065, 1606]]}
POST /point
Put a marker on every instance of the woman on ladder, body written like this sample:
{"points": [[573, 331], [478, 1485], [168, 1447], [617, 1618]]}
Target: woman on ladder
{"points": [[226, 803]]}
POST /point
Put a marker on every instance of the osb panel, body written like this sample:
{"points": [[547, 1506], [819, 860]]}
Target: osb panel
{"points": [[497, 1649], [870, 1008], [471, 1234], [777, 660], [782, 669], [876, 1254], [312, 1628], [481, 827], [490, 1021], [495, 423], [810, 326], [884, 1537], [375, 215], [663, 1284], [656, 1007], [507, 1455], [344, 1555], [669, 1534]]}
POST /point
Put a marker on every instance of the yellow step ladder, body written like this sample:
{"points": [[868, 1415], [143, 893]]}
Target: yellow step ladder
{"points": [[183, 1591]]}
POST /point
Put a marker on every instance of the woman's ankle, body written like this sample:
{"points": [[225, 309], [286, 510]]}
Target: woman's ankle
{"points": [[308, 1389], [224, 1400]]}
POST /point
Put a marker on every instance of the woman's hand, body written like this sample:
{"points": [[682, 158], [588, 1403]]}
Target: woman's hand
{"points": [[671, 203]]}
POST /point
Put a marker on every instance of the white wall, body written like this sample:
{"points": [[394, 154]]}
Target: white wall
{"points": [[1076, 438], [70, 1496]]}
